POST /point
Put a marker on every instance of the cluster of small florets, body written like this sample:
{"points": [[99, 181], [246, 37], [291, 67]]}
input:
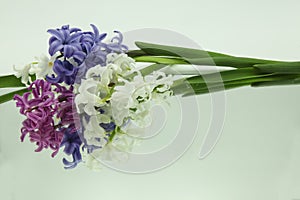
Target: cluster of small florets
{"points": [[78, 51], [88, 98]]}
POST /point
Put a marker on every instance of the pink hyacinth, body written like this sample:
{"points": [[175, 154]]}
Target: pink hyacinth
{"points": [[47, 108]]}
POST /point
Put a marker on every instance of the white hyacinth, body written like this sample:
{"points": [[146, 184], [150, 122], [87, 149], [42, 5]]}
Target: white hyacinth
{"points": [[44, 66], [134, 99], [41, 68], [24, 73], [125, 64], [108, 96], [89, 97], [93, 133]]}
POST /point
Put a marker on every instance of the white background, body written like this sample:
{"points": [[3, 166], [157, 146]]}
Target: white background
{"points": [[258, 156]]}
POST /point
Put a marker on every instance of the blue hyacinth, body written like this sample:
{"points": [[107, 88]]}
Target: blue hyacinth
{"points": [[78, 51]]}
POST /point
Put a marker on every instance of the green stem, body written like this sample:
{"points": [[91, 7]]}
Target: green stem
{"points": [[113, 133]]}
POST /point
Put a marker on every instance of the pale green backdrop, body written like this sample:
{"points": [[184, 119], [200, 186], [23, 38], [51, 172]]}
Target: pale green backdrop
{"points": [[258, 155]]}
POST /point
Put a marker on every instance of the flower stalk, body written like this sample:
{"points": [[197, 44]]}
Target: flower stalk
{"points": [[246, 71]]}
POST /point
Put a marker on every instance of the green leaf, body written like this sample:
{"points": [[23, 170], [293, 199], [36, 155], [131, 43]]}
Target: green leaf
{"points": [[231, 61], [237, 74], [201, 81], [214, 89], [283, 68], [136, 53], [10, 81], [160, 60], [200, 57], [165, 50], [212, 61], [149, 69], [9, 96], [202, 88], [291, 81]]}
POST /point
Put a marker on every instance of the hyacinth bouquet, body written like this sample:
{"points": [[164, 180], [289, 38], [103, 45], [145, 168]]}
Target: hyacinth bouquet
{"points": [[89, 98]]}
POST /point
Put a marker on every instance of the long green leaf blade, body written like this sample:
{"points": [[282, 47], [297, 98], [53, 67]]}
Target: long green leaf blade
{"points": [[149, 69], [237, 74], [9, 96], [201, 57], [202, 87], [10, 81], [284, 68], [165, 50], [160, 60], [231, 61]]}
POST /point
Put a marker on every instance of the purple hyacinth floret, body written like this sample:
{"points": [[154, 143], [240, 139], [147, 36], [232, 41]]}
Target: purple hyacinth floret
{"points": [[89, 39], [65, 71], [85, 49], [39, 106], [76, 159], [64, 40], [45, 109], [108, 127], [95, 57], [71, 143], [66, 109], [116, 46]]}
